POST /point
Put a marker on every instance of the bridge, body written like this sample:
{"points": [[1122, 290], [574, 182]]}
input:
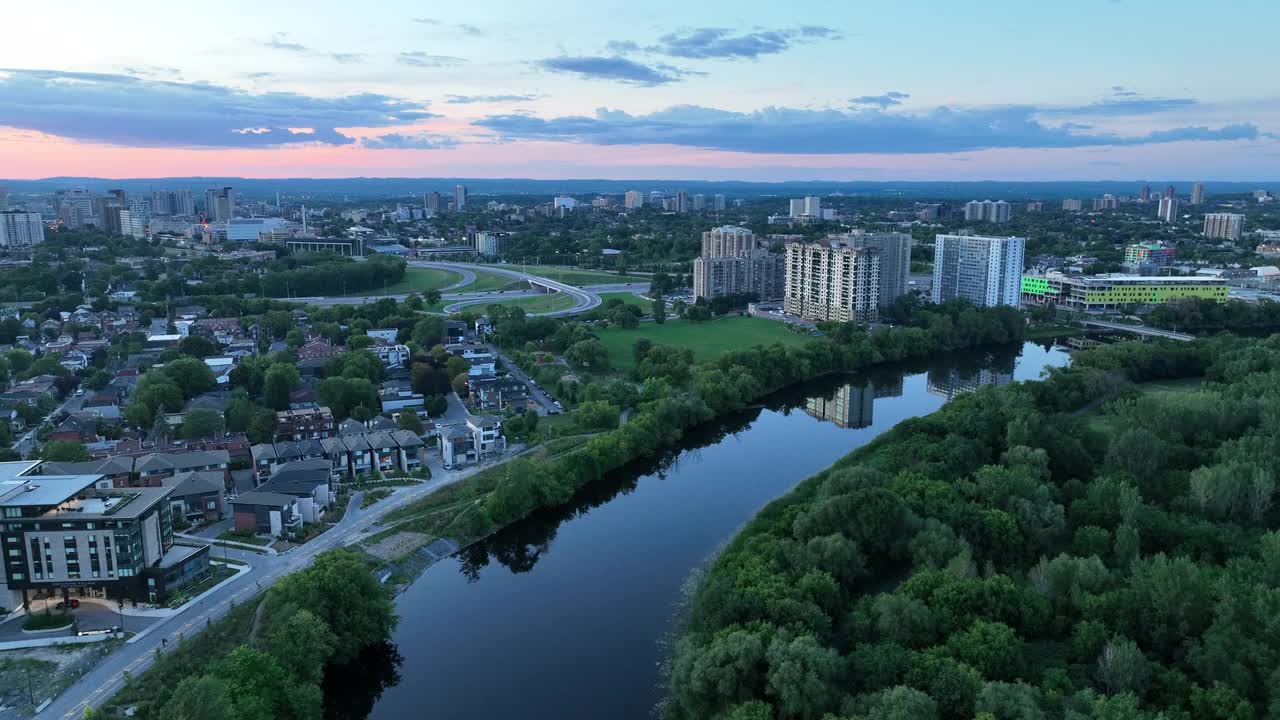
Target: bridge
{"points": [[1138, 330], [584, 300]]}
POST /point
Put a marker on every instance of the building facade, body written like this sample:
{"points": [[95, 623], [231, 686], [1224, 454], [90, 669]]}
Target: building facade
{"points": [[1168, 210], [1109, 293], [732, 262], [895, 261], [20, 229], [459, 198], [1152, 254], [831, 280], [996, 211], [492, 244], [1197, 194], [983, 270], [1225, 226], [219, 204], [634, 200]]}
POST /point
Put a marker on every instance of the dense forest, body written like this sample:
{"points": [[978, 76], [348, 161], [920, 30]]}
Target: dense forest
{"points": [[1080, 547]]}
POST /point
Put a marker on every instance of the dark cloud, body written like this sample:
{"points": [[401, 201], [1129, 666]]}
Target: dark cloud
{"points": [[613, 68], [798, 131], [1122, 91], [893, 97], [126, 110], [399, 141], [418, 58], [711, 42], [468, 99]]}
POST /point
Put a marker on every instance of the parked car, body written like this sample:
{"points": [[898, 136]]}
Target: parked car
{"points": [[73, 603]]}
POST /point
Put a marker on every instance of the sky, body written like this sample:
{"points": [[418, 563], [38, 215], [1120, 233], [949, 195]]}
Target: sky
{"points": [[748, 90]]}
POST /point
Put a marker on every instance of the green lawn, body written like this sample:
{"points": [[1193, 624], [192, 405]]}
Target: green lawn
{"points": [[487, 281], [416, 280], [707, 340], [630, 299], [533, 304], [1108, 424]]}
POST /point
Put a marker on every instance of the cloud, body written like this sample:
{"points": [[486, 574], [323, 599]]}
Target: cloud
{"points": [[893, 97], [712, 42], [1123, 108], [1122, 91], [278, 42], [131, 111], [464, 28], [471, 30], [613, 68], [468, 99], [418, 58], [348, 58], [820, 132], [417, 141]]}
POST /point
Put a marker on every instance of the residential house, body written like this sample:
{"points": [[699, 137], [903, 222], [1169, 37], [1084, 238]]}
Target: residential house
{"points": [[76, 429], [116, 472], [197, 496], [399, 396], [266, 513], [480, 437], [392, 356], [383, 335], [307, 480], [304, 424], [75, 360], [153, 468], [455, 331], [496, 393]]}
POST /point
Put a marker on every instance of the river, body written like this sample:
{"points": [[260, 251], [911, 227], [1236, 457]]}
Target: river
{"points": [[568, 614]]}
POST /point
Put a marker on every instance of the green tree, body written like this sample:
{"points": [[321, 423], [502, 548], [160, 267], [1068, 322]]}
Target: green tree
{"points": [[197, 347], [199, 697], [303, 644], [802, 676], [262, 428], [280, 381], [98, 380], [659, 310], [409, 420], [295, 338], [202, 424], [339, 589], [64, 451], [192, 376], [591, 354]]}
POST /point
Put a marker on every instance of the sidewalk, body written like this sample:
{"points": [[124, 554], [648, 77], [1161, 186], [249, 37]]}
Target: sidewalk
{"points": [[229, 543]]}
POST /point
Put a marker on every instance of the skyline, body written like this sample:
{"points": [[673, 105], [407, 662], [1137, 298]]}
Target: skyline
{"points": [[851, 92]]}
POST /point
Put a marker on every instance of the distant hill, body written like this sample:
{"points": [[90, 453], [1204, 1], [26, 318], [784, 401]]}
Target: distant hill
{"points": [[360, 188]]}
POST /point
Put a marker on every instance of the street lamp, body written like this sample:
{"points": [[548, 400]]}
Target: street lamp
{"points": [[120, 608]]}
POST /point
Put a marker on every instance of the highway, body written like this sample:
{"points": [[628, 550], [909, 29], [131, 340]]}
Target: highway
{"points": [[585, 298], [1139, 330], [98, 685]]}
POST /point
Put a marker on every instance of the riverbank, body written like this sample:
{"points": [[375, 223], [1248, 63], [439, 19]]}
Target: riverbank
{"points": [[972, 486], [494, 498]]}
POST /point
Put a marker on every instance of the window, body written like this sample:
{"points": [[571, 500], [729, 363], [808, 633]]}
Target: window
{"points": [[15, 552], [13, 512], [19, 576]]}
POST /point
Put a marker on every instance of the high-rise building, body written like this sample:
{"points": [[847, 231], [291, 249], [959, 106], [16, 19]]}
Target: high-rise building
{"points": [[1197, 194], [813, 206], [75, 207], [832, 280], [699, 202], [131, 225], [986, 211], [1227, 226], [682, 202], [20, 229], [172, 202], [655, 198], [1144, 193], [895, 261], [431, 201], [733, 263], [1168, 210], [219, 204], [4, 198], [797, 207], [1169, 192], [459, 198], [1072, 205], [718, 202], [634, 200], [1106, 202], [1035, 206], [983, 270], [492, 244]]}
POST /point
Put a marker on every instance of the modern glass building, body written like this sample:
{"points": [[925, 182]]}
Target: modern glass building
{"points": [[1106, 293]]}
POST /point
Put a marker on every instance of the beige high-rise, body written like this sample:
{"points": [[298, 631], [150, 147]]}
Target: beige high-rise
{"points": [[732, 263], [831, 280]]}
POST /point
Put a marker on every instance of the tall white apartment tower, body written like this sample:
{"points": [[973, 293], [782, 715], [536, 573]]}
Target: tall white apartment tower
{"points": [[1168, 211], [20, 229], [718, 202], [459, 198], [986, 271], [633, 200], [1225, 226], [1197, 194]]}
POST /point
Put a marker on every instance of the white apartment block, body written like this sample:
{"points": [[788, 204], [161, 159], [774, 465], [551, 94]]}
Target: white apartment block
{"points": [[831, 280], [20, 229], [986, 271]]}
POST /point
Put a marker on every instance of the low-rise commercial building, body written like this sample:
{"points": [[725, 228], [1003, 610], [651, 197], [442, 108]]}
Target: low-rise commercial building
{"points": [[1107, 293]]}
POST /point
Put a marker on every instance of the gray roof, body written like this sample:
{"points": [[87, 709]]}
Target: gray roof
{"points": [[451, 432], [269, 499], [263, 451], [195, 483], [379, 440], [333, 444], [351, 427], [381, 423], [298, 478], [243, 480], [107, 466], [173, 461], [406, 439]]}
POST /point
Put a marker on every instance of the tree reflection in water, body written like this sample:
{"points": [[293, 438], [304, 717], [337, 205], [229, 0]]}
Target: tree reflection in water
{"points": [[350, 691]]}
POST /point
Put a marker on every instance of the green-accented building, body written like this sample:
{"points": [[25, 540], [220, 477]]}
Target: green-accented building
{"points": [[1107, 293]]}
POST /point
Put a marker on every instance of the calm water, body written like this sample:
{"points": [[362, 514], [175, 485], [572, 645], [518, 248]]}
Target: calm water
{"points": [[563, 615]]}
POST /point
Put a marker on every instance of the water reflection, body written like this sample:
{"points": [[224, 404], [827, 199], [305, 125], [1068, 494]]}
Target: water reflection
{"points": [[350, 691]]}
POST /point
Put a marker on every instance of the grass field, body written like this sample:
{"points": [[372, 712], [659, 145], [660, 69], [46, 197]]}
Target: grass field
{"points": [[707, 340], [488, 281], [417, 280], [538, 304], [630, 299], [1109, 424]]}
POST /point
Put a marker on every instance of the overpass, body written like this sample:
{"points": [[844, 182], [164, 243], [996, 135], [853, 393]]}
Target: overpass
{"points": [[1138, 330], [584, 300]]}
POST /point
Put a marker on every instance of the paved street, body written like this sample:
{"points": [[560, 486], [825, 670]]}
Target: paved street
{"points": [[545, 404], [97, 686]]}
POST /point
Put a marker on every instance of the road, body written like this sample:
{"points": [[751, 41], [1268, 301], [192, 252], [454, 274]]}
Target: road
{"points": [[546, 406], [98, 685], [28, 444], [1139, 330]]}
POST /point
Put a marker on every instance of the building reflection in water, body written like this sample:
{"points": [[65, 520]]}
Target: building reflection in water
{"points": [[851, 406], [952, 382]]}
